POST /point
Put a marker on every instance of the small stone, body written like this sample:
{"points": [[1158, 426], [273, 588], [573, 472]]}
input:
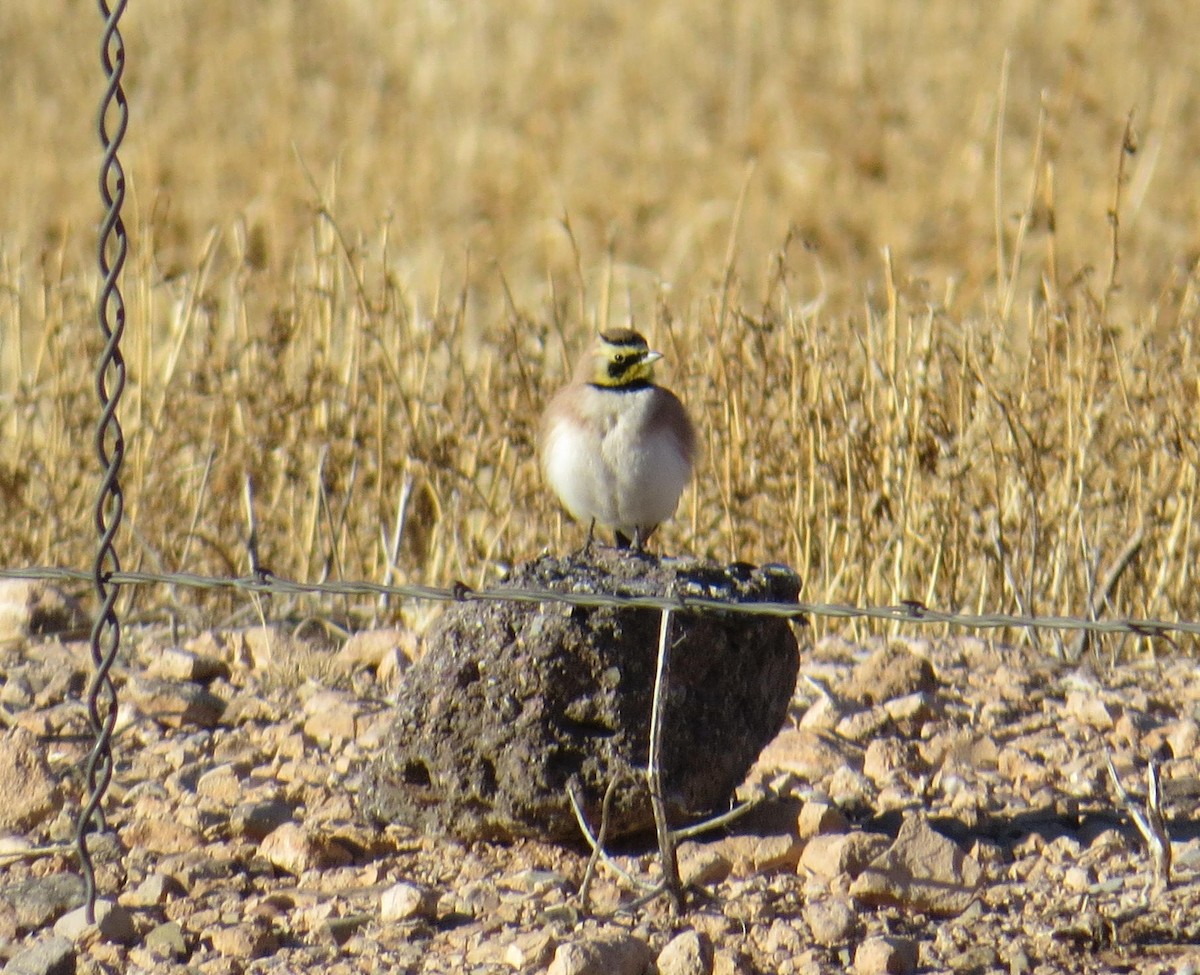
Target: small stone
{"points": [[154, 891], [295, 849], [1019, 963], [849, 788], [221, 784], [806, 754], [761, 854], [887, 757], [702, 864], [910, 712], [731, 963], [822, 715], [831, 921], [882, 955], [923, 871], [16, 693], [332, 715], [782, 936], [1078, 879], [259, 647], [167, 941], [175, 704], [161, 836], [33, 607], [611, 955], [370, 648], [538, 881], [891, 672], [530, 950], [177, 664], [245, 941], [864, 725], [820, 818], [831, 855], [688, 953], [342, 929], [1183, 737], [9, 929], [1088, 708], [779, 852], [978, 958], [406, 901], [12, 844], [255, 820], [113, 922], [54, 955], [29, 788]]}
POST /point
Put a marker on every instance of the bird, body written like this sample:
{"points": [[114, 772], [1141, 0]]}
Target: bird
{"points": [[616, 448]]}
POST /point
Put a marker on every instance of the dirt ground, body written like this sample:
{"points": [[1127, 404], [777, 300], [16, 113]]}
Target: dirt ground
{"points": [[236, 846]]}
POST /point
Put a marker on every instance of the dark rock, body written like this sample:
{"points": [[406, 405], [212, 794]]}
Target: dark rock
{"points": [[50, 956], [167, 940], [255, 820], [512, 702], [39, 901]]}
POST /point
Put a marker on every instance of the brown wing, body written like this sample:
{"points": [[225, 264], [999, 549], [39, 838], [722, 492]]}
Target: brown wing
{"points": [[671, 413]]}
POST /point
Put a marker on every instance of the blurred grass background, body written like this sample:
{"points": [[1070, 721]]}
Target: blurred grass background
{"points": [[925, 274]]}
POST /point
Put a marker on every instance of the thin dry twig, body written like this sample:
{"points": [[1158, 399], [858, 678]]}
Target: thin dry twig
{"points": [[1128, 148], [35, 852], [1151, 824], [1100, 596], [596, 843], [666, 840], [717, 822]]}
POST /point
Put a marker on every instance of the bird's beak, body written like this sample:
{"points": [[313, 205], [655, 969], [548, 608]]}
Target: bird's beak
{"points": [[652, 357]]}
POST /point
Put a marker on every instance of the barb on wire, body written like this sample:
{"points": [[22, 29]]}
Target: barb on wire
{"points": [[112, 248]]}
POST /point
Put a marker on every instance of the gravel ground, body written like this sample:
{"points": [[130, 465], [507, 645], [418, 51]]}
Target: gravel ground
{"points": [[931, 805]]}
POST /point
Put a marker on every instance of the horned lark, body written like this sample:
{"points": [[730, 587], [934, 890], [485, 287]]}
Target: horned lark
{"points": [[616, 448]]}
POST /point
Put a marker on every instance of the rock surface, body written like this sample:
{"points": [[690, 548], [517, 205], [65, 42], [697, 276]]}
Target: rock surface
{"points": [[922, 870], [688, 953], [54, 955], [612, 955], [29, 790], [514, 703], [33, 607]]}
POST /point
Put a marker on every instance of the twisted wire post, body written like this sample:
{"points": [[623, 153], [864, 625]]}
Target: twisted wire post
{"points": [[113, 245]]}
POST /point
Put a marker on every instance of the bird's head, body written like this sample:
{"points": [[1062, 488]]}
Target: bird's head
{"points": [[620, 358]]}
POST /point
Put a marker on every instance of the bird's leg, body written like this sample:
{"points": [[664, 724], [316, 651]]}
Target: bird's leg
{"points": [[586, 551], [641, 536]]}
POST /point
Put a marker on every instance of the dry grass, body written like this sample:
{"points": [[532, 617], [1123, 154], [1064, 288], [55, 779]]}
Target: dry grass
{"points": [[875, 246]]}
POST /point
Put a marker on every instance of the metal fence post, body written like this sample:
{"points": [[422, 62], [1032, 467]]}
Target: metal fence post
{"points": [[112, 248]]}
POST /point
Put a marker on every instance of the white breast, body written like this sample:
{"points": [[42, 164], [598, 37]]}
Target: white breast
{"points": [[612, 463]]}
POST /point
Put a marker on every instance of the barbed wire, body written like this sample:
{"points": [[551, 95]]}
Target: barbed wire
{"points": [[909, 611]]}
